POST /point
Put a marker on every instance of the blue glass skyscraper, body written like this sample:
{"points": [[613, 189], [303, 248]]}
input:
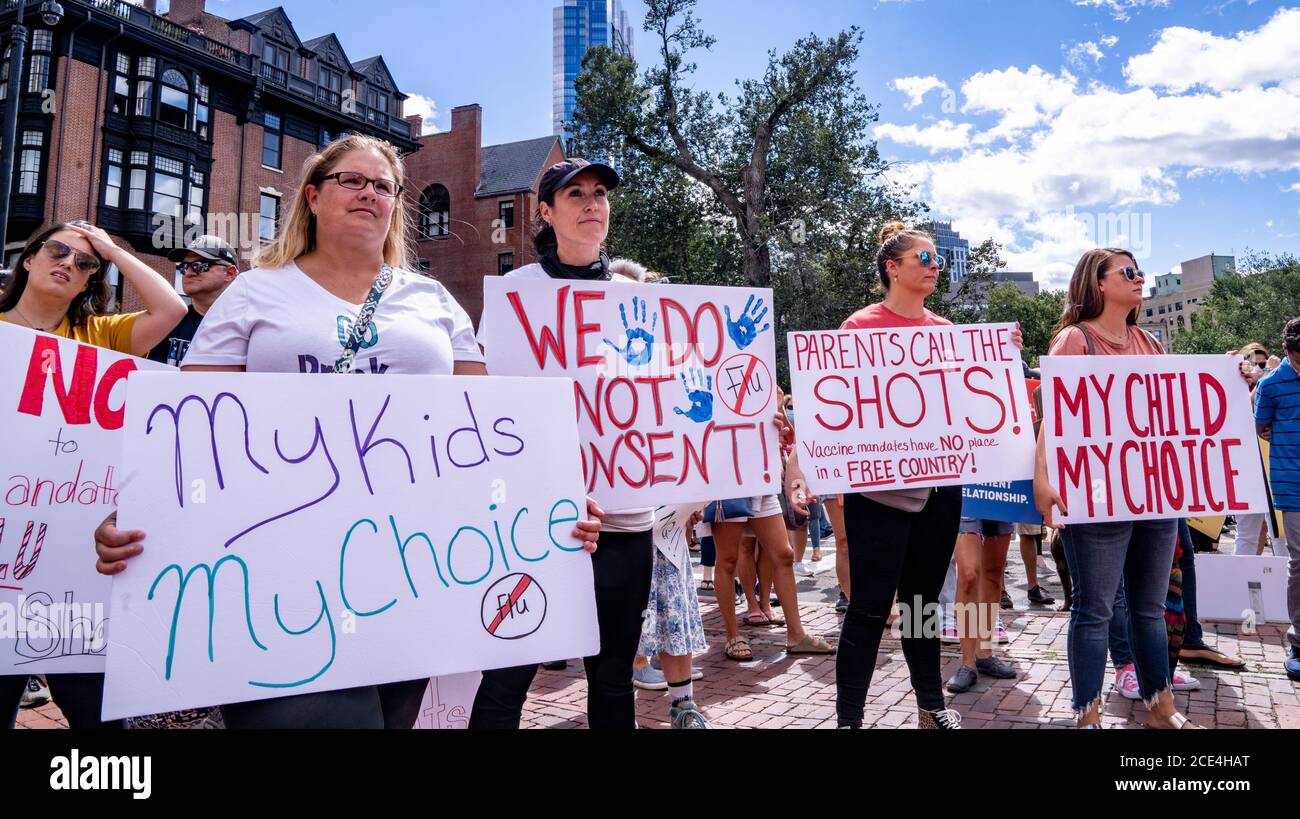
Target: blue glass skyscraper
{"points": [[578, 26]]}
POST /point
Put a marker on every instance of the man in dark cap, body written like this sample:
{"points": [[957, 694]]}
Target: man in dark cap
{"points": [[206, 267]]}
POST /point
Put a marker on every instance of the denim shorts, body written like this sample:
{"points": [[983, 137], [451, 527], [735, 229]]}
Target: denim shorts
{"points": [[987, 528]]}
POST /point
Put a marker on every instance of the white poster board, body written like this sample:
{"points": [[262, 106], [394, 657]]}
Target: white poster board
{"points": [[1150, 437], [62, 407], [903, 407], [1241, 588], [448, 702], [308, 534], [674, 384]]}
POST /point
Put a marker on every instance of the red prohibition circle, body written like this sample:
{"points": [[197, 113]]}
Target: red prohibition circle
{"points": [[751, 368]]}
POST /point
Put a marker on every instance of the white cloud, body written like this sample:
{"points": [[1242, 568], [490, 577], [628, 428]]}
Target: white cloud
{"points": [[917, 87], [423, 106], [1185, 58], [942, 136], [1088, 54], [1024, 99], [1119, 9], [1061, 165], [1268, 223]]}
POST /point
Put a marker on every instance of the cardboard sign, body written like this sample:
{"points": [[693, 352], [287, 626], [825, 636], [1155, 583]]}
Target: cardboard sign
{"points": [[309, 534], [1010, 502], [62, 404], [448, 702], [1245, 589], [910, 407], [1148, 437], [674, 385]]}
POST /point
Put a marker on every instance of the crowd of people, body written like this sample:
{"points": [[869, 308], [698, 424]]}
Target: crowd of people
{"points": [[1129, 586]]}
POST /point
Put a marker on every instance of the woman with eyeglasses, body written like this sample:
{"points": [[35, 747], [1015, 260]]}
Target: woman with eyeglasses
{"points": [[896, 544], [333, 293], [59, 286], [1100, 318]]}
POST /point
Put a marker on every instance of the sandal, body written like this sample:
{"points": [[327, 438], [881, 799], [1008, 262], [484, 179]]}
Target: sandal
{"points": [[816, 554], [1179, 721], [811, 645], [1204, 655], [774, 619], [706, 585], [738, 649], [755, 619]]}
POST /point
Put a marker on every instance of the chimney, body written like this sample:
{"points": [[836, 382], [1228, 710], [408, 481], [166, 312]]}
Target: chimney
{"points": [[467, 122], [186, 12], [417, 125]]}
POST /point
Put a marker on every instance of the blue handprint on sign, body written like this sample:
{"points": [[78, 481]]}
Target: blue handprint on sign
{"points": [[744, 329], [699, 391], [640, 342]]}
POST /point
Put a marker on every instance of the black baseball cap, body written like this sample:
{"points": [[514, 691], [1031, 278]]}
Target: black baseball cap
{"points": [[212, 248], [562, 173]]}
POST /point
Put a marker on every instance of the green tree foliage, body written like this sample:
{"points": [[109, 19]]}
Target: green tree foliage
{"points": [[1037, 314], [1250, 306]]}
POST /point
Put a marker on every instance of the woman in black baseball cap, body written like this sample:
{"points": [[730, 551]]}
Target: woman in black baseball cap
{"points": [[573, 223]]}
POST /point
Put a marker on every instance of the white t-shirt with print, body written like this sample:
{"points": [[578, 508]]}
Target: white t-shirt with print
{"points": [[621, 520], [280, 320]]}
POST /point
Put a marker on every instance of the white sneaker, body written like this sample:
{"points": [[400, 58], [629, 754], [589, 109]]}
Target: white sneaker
{"points": [[801, 569], [1185, 682]]}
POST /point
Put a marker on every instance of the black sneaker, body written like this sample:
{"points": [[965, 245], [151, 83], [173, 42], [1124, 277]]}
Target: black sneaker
{"points": [[842, 605], [1006, 601], [557, 665], [1039, 597], [963, 681], [995, 667]]}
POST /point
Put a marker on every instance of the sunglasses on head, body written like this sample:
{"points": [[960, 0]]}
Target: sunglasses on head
{"points": [[57, 250], [927, 257], [1131, 273], [198, 266]]}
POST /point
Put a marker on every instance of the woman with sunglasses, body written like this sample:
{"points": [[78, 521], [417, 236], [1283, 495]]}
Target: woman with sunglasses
{"points": [[892, 549], [1100, 318], [341, 260], [59, 286]]}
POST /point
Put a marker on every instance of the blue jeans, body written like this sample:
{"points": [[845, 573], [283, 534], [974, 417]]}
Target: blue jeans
{"points": [[1101, 555], [815, 515]]}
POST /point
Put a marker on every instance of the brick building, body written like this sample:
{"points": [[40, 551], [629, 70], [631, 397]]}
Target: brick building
{"points": [[154, 125], [476, 205]]}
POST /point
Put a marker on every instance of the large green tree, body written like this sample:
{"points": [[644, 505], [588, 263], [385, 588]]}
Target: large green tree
{"points": [[785, 156], [1250, 306], [1037, 314]]}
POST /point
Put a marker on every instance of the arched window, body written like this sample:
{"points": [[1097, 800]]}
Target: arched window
{"points": [[435, 213], [174, 107]]}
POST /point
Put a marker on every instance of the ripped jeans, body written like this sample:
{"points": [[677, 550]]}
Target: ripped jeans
{"points": [[1100, 554]]}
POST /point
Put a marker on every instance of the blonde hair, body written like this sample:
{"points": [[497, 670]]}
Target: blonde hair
{"points": [[297, 235], [896, 239]]}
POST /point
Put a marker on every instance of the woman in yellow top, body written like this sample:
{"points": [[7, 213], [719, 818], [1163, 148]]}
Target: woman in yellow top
{"points": [[60, 286]]}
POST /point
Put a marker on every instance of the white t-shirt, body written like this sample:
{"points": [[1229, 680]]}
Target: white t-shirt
{"points": [[621, 520], [279, 320]]}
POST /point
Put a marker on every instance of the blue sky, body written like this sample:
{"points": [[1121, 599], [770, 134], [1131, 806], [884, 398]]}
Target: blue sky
{"points": [[1172, 126]]}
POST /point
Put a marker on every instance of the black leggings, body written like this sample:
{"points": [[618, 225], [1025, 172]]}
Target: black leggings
{"points": [[79, 696], [889, 550], [391, 705], [621, 567]]}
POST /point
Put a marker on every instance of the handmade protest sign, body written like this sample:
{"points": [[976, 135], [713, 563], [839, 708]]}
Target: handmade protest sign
{"points": [[670, 534], [62, 408], [308, 534], [910, 406], [448, 702], [1142, 437], [673, 384]]}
